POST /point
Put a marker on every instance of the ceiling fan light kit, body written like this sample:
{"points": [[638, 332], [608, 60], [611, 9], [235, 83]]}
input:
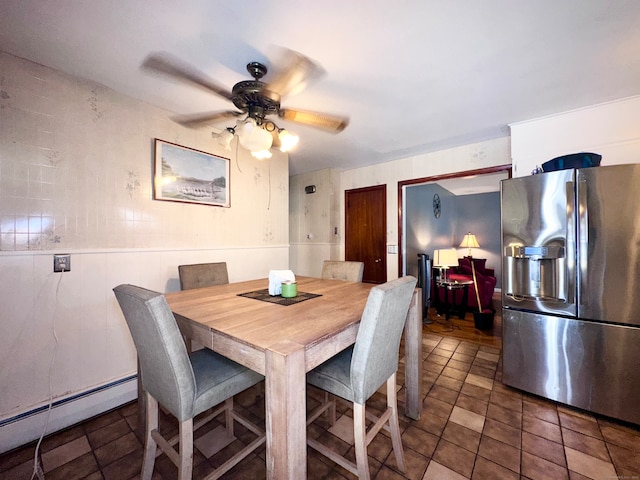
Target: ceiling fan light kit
{"points": [[256, 100], [224, 138], [257, 139], [287, 140], [253, 137]]}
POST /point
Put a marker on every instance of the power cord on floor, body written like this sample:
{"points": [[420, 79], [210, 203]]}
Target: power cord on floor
{"points": [[443, 325], [445, 329], [37, 468]]}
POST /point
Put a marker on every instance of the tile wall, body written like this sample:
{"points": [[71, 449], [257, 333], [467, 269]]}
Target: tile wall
{"points": [[76, 167]]}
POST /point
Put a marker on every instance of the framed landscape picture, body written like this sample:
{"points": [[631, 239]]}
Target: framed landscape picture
{"points": [[183, 174]]}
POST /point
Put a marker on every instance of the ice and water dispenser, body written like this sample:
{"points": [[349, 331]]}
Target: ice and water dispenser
{"points": [[536, 272]]}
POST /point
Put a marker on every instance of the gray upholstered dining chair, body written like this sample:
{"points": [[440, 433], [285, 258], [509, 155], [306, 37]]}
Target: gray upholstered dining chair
{"points": [[184, 384], [357, 372], [201, 275], [341, 270]]}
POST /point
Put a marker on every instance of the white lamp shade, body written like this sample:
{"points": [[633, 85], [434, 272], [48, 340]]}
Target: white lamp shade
{"points": [[253, 137], [261, 154], [445, 258], [287, 140], [469, 241], [224, 139]]}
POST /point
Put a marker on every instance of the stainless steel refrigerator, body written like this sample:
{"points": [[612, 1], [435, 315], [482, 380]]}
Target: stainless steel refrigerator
{"points": [[571, 287]]}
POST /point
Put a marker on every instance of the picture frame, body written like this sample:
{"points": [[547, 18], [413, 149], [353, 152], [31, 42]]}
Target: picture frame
{"points": [[186, 175]]}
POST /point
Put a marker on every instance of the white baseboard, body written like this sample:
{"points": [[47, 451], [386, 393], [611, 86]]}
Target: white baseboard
{"points": [[28, 426]]}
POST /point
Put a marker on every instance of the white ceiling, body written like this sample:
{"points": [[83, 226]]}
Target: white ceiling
{"points": [[414, 76]]}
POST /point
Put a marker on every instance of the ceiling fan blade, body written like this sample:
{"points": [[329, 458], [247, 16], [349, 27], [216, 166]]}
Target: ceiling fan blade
{"points": [[199, 119], [173, 67], [292, 72], [324, 121]]}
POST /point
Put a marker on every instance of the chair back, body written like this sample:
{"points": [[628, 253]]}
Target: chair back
{"points": [[165, 367], [339, 270], [375, 354], [201, 275]]}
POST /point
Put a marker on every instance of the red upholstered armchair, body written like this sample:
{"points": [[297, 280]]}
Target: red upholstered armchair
{"points": [[486, 282]]}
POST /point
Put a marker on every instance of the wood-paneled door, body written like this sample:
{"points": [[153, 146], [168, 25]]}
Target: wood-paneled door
{"points": [[366, 230]]}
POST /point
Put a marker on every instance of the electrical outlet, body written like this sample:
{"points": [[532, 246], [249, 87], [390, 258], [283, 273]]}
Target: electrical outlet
{"points": [[62, 263]]}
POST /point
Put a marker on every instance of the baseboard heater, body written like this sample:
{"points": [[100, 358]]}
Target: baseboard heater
{"points": [[27, 427]]}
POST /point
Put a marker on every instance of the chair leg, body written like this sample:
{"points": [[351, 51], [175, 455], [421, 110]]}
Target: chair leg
{"points": [[332, 408], [184, 459], [394, 423], [360, 438], [151, 424], [185, 466], [327, 405], [228, 416]]}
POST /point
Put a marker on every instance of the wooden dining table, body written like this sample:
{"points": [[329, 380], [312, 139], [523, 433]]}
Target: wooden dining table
{"points": [[283, 342]]}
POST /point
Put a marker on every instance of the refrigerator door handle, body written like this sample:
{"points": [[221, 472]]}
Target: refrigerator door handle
{"points": [[583, 237], [570, 265]]}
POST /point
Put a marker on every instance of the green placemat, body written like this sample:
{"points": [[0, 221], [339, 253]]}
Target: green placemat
{"points": [[265, 297]]}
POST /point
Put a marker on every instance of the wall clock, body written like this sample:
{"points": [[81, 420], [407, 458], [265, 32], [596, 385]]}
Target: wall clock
{"points": [[437, 208]]}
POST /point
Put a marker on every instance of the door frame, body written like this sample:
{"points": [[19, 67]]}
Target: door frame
{"points": [[508, 168]]}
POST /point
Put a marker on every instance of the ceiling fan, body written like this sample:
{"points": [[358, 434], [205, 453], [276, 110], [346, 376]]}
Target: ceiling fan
{"points": [[255, 99]]}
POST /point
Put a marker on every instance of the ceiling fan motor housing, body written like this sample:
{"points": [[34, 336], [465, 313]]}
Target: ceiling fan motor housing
{"points": [[253, 96]]}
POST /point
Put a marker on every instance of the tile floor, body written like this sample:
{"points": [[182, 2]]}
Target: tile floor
{"points": [[473, 427]]}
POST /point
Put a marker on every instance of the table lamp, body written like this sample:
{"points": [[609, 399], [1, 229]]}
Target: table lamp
{"points": [[469, 241], [444, 259]]}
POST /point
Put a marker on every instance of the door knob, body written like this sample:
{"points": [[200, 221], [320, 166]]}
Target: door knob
{"points": [[378, 260]]}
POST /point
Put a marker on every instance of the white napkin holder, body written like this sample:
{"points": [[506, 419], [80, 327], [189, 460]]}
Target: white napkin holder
{"points": [[276, 277]]}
